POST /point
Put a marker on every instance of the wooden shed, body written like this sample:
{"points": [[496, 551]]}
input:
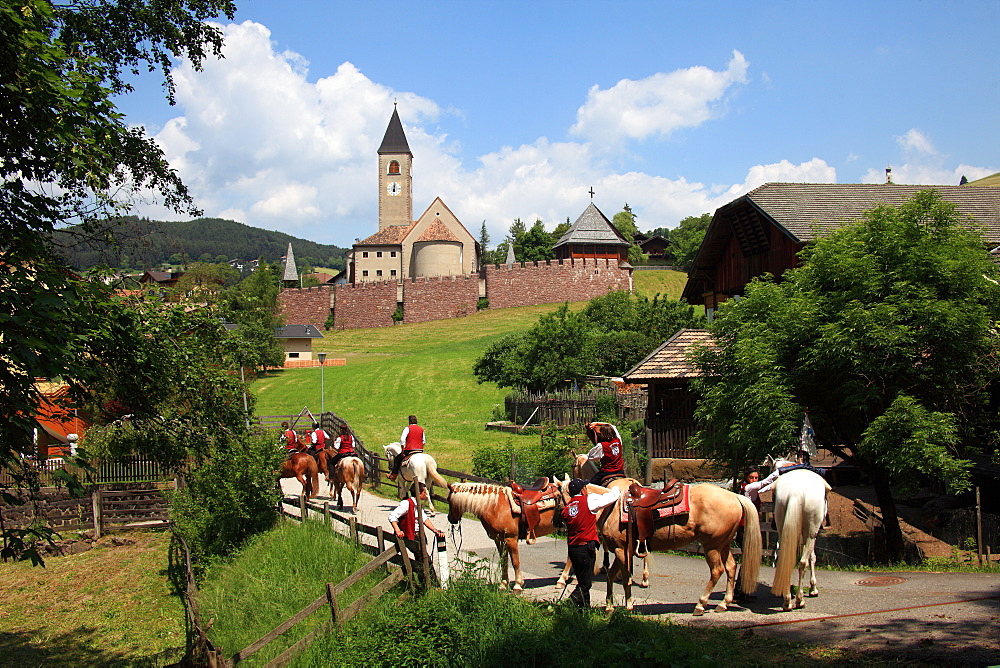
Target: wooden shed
{"points": [[667, 372]]}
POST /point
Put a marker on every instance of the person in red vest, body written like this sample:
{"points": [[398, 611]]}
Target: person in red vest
{"points": [[608, 449], [318, 439], [581, 528], [405, 517], [291, 439], [344, 445], [412, 441]]}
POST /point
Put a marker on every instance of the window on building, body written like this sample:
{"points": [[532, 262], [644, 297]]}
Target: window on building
{"points": [[394, 167], [378, 254], [364, 254], [293, 356], [378, 272], [392, 254], [364, 272], [392, 272]]}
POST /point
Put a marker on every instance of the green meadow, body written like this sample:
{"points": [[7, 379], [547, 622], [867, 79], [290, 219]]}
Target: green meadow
{"points": [[423, 369]]}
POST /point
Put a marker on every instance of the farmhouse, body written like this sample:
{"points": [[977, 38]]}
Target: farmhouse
{"points": [[762, 231]]}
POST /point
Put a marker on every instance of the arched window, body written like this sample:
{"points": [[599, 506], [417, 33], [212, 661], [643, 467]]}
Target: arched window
{"points": [[394, 167]]}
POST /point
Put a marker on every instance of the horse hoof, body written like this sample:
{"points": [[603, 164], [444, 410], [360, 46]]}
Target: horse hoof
{"points": [[609, 608], [800, 604], [518, 588], [813, 593], [698, 612], [560, 585], [721, 608]]}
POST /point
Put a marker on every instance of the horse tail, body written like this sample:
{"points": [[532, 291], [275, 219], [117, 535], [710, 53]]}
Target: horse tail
{"points": [[752, 551], [789, 542], [432, 472]]}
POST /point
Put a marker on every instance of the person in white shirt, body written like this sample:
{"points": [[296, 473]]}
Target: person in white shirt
{"points": [[405, 517]]}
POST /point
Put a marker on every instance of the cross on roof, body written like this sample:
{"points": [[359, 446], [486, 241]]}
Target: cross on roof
{"points": [[591, 192]]}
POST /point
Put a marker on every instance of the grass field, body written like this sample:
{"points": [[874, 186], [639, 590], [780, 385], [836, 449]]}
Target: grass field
{"points": [[112, 605], [424, 369]]}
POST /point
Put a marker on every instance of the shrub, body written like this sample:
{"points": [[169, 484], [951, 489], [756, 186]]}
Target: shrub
{"points": [[397, 315], [483, 303], [330, 322], [533, 458]]}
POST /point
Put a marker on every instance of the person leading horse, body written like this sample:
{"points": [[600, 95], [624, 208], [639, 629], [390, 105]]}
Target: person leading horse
{"points": [[608, 449]]}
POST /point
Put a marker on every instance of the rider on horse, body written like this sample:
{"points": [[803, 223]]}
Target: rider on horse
{"points": [[318, 439], [608, 449], [412, 441], [291, 439], [344, 446]]}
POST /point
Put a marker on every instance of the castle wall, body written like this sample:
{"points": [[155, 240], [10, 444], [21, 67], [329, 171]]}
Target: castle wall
{"points": [[553, 281], [372, 304], [306, 306], [440, 297]]}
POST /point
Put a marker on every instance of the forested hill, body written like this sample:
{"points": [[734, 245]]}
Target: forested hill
{"points": [[149, 244]]}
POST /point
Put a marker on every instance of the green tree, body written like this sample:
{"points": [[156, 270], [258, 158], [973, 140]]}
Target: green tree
{"points": [[203, 282], [253, 305], [486, 257], [66, 154], [686, 238], [886, 334], [561, 229], [536, 244], [515, 237], [624, 222]]}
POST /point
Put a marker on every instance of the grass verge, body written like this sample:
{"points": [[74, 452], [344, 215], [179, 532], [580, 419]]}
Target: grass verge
{"points": [[112, 605]]}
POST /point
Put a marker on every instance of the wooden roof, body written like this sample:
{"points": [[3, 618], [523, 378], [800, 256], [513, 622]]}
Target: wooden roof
{"points": [[672, 359], [592, 228]]}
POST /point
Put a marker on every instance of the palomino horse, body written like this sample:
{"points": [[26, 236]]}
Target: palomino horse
{"points": [[492, 505], [303, 468], [800, 498], [420, 467], [349, 472], [713, 517], [584, 468]]}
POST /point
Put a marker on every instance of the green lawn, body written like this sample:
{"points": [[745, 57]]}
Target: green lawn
{"points": [[424, 369]]}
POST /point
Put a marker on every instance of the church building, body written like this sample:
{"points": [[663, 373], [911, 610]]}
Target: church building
{"points": [[435, 244]]}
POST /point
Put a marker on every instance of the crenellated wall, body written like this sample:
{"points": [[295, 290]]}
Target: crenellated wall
{"points": [[372, 304]]}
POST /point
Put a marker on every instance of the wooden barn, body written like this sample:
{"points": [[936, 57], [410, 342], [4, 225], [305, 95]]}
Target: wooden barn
{"points": [[667, 372], [762, 231]]}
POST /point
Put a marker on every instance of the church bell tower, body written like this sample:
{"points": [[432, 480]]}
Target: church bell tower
{"points": [[395, 183]]}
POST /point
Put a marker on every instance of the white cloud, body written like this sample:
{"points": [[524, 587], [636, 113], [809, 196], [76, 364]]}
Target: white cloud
{"points": [[916, 141], [657, 105], [813, 171], [928, 174]]}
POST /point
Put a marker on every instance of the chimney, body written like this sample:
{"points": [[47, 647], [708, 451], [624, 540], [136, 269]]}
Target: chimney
{"points": [[888, 175]]}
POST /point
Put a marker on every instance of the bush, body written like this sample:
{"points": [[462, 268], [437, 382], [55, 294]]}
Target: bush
{"points": [[397, 315], [330, 322], [533, 457], [483, 303], [228, 497]]}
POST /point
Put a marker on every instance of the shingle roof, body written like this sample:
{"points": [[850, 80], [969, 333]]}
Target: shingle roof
{"points": [[802, 209], [291, 274], [298, 332], [389, 236], [592, 227], [394, 140], [437, 231], [671, 360]]}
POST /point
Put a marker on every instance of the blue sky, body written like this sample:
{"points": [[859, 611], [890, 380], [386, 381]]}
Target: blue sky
{"points": [[517, 109]]}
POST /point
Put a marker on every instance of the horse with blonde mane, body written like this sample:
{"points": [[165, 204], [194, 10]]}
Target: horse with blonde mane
{"points": [[800, 504], [493, 505], [713, 517]]}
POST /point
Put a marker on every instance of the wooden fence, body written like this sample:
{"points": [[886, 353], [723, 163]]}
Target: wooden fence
{"points": [[127, 470], [573, 407]]}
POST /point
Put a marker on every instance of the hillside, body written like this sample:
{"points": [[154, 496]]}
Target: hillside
{"points": [[146, 244]]}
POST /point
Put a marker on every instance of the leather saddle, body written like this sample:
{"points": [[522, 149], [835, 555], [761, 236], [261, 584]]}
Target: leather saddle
{"points": [[648, 504], [529, 499]]}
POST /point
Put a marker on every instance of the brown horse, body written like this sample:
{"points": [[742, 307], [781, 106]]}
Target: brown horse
{"points": [[349, 472], [714, 516], [492, 505], [303, 468]]}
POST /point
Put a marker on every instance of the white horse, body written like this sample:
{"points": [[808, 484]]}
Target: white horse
{"points": [[420, 467], [800, 504]]}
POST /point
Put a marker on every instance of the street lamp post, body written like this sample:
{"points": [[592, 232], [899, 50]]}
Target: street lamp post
{"points": [[322, 384]]}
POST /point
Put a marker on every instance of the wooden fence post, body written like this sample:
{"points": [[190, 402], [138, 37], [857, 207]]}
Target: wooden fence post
{"points": [[332, 598], [404, 557], [353, 523], [326, 513], [380, 539], [303, 513]]}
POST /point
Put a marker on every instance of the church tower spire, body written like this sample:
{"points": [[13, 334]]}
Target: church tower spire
{"points": [[395, 182]]}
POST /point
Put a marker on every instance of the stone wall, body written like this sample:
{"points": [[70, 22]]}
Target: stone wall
{"points": [[372, 304], [427, 299]]}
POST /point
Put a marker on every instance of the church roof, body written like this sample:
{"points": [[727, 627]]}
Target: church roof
{"points": [[672, 359], [389, 236], [290, 273], [592, 227], [437, 231], [395, 139]]}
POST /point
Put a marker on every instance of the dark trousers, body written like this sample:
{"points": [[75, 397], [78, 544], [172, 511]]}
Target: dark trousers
{"points": [[583, 557], [601, 477], [398, 461]]}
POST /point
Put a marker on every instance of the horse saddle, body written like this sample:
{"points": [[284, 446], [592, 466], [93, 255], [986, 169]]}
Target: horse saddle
{"points": [[532, 500], [647, 505], [409, 453]]}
